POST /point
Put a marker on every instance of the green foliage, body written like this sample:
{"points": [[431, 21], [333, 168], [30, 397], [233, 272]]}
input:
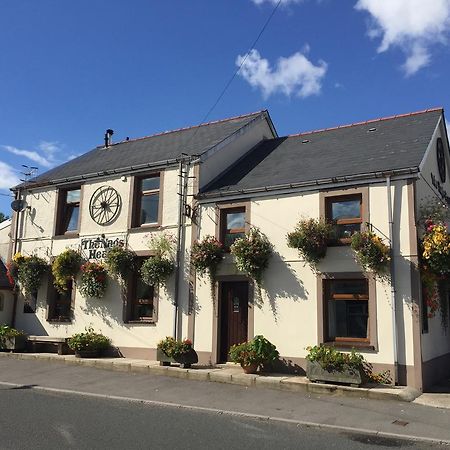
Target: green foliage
{"points": [[7, 332], [156, 270], [206, 256], [252, 253], [333, 360], [310, 238], [257, 351], [119, 262], [371, 252], [89, 340], [93, 280], [30, 273], [64, 267], [173, 348]]}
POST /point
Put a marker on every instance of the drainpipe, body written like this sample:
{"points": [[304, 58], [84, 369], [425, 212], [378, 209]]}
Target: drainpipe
{"points": [[183, 185], [15, 245], [392, 274]]}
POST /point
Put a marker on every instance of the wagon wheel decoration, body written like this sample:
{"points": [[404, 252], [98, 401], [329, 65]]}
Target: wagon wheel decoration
{"points": [[105, 205]]}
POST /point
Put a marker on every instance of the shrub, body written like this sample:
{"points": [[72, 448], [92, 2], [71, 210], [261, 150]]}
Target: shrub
{"points": [[331, 359], [7, 332], [64, 267], [257, 351], [89, 341], [93, 280], [119, 262], [310, 238], [173, 348]]}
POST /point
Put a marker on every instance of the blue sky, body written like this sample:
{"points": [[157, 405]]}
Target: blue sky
{"points": [[70, 70]]}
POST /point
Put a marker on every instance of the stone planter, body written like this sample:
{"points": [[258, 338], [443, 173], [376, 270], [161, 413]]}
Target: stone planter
{"points": [[87, 353], [315, 372], [184, 360], [13, 344]]}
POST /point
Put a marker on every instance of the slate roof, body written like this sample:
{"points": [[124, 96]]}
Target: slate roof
{"points": [[4, 282], [391, 143], [157, 148]]}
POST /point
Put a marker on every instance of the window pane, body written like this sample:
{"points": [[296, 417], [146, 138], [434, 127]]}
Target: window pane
{"points": [[149, 208], [235, 220], [143, 291], [347, 230], [144, 310], [149, 184], [349, 287], [346, 209], [229, 238], [71, 218], [73, 196], [348, 318]]}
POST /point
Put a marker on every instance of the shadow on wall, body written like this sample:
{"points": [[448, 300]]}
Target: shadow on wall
{"points": [[282, 284]]}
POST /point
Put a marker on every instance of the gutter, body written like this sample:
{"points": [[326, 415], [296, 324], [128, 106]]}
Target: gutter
{"points": [[406, 172]]}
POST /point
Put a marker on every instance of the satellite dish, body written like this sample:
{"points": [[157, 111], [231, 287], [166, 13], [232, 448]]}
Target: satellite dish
{"points": [[18, 205]]}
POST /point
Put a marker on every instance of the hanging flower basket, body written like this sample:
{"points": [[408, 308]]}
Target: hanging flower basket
{"points": [[156, 269], [371, 252], [65, 267], [30, 272], [120, 262], [252, 253], [93, 280], [310, 238], [206, 255]]}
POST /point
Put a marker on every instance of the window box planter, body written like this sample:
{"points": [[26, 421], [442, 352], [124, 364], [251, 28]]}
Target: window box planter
{"points": [[88, 353], [315, 372], [185, 360], [13, 344]]}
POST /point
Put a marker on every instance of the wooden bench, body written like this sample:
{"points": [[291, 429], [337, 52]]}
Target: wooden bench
{"points": [[49, 341]]}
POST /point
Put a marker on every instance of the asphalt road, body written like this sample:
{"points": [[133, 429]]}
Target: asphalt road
{"points": [[36, 420]]}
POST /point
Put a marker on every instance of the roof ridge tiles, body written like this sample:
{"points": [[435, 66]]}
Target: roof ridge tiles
{"points": [[162, 133], [366, 122]]}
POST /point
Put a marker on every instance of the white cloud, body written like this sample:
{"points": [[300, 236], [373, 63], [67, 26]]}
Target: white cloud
{"points": [[30, 154], [8, 178], [293, 75], [49, 148], [411, 25]]}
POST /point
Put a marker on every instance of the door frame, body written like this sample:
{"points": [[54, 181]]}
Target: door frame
{"points": [[216, 319]]}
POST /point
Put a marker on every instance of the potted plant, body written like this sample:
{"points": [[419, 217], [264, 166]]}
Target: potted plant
{"points": [[252, 354], [325, 363], [310, 238], [65, 266], [252, 253], [119, 262], [170, 350], [12, 339], [206, 256], [93, 280], [156, 269], [371, 252], [88, 344]]}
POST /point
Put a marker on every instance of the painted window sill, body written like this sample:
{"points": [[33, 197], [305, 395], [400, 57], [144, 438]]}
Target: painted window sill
{"points": [[348, 345], [145, 227], [141, 322], [67, 236], [65, 321]]}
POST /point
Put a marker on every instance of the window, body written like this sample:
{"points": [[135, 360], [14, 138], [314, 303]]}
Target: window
{"points": [[141, 299], [68, 211], [60, 307], [347, 310], [232, 225], [346, 213], [146, 201]]}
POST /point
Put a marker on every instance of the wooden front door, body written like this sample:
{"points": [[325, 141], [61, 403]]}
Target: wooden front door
{"points": [[233, 316]]}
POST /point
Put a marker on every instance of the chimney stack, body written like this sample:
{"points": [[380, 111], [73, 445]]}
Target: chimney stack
{"points": [[108, 137]]}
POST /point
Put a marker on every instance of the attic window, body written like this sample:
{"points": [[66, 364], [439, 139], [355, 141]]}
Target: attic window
{"points": [[371, 130]]}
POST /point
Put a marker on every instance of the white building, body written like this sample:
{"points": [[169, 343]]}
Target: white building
{"points": [[220, 178]]}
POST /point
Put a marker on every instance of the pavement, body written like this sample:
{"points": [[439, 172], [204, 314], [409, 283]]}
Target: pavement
{"points": [[136, 383], [231, 374]]}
